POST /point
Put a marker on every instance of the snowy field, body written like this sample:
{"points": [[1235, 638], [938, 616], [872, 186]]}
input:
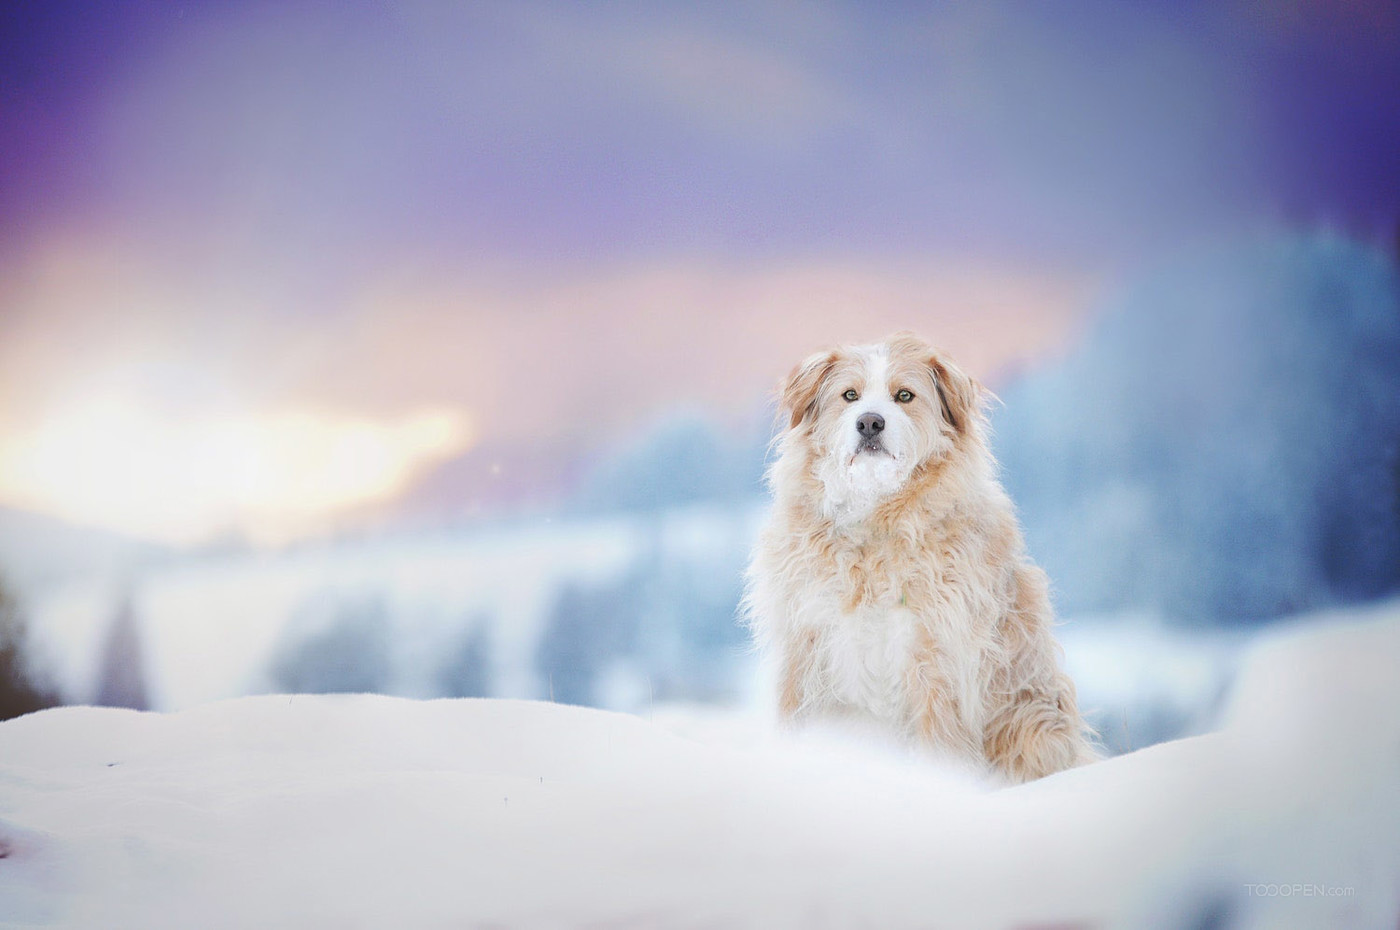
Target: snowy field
{"points": [[370, 811]]}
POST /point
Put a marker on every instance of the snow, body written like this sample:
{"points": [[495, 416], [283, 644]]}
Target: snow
{"points": [[373, 811], [1142, 680]]}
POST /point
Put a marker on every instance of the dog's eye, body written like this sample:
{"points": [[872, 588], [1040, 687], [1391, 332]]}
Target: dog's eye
{"points": [[904, 397], [851, 395]]}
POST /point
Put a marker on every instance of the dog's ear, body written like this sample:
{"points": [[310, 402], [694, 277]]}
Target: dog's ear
{"points": [[800, 388], [959, 394]]}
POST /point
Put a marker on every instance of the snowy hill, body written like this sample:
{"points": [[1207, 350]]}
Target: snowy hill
{"points": [[364, 811]]}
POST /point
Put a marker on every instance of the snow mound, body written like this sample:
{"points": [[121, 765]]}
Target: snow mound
{"points": [[369, 811]]}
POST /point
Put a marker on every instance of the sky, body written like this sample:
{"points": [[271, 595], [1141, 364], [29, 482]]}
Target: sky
{"points": [[262, 263]]}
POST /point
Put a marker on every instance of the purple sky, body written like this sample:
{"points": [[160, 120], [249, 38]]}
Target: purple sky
{"points": [[375, 209], [578, 132]]}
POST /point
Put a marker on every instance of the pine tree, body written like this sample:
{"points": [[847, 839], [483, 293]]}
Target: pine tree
{"points": [[123, 681], [20, 693]]}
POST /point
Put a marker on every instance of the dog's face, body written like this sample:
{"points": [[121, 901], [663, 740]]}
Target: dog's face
{"points": [[870, 415]]}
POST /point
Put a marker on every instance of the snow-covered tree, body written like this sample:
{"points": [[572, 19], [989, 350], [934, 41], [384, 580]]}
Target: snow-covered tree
{"points": [[20, 690], [349, 653], [468, 669], [1225, 444], [684, 460], [122, 675]]}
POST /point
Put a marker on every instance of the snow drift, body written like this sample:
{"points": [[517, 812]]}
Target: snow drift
{"points": [[369, 811]]}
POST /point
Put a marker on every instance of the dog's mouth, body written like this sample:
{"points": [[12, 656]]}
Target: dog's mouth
{"points": [[871, 447]]}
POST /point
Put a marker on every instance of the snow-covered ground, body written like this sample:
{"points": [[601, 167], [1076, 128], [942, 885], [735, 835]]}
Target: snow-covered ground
{"points": [[369, 811]]}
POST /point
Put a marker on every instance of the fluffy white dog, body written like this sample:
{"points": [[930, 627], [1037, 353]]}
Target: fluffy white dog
{"points": [[891, 581]]}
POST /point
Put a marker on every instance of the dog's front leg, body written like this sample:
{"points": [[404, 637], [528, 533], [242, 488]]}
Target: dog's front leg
{"points": [[799, 663], [937, 706], [1038, 732], [1033, 723]]}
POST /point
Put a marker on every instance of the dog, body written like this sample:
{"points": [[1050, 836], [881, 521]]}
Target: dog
{"points": [[890, 581]]}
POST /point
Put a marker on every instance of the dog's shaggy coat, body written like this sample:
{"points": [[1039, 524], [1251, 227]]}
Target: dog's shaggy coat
{"points": [[891, 581]]}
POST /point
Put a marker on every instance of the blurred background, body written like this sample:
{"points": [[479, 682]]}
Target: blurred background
{"points": [[429, 348]]}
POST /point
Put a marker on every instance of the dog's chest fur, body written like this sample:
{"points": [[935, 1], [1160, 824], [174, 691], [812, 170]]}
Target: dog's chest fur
{"points": [[865, 656], [877, 611]]}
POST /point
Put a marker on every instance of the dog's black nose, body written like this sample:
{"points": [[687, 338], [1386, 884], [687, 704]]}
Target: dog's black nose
{"points": [[870, 424]]}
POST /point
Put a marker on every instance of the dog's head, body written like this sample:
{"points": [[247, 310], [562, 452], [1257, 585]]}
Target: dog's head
{"points": [[870, 416]]}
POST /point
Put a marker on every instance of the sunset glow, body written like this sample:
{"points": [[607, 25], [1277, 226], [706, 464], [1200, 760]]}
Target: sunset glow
{"points": [[267, 475]]}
